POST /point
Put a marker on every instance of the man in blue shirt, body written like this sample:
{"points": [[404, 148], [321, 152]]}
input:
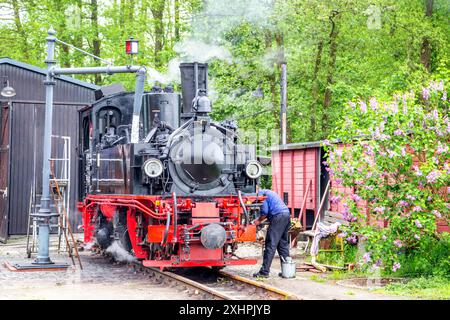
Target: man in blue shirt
{"points": [[277, 213]]}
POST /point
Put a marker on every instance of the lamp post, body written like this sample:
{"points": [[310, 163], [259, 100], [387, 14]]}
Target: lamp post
{"points": [[283, 90]]}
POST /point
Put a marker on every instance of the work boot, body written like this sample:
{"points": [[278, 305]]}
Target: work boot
{"points": [[259, 274]]}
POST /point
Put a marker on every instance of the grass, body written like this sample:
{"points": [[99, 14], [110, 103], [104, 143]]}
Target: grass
{"points": [[427, 269], [432, 288]]}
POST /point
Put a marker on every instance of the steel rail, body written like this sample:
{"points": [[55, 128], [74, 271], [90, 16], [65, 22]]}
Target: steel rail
{"points": [[276, 292], [187, 282], [266, 289]]}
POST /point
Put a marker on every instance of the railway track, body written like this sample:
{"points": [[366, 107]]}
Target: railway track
{"points": [[206, 283]]}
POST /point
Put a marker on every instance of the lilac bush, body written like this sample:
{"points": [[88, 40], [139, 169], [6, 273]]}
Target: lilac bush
{"points": [[396, 154]]}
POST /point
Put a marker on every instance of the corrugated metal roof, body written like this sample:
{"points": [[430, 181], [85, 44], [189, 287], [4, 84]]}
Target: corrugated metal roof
{"points": [[299, 145], [44, 72]]}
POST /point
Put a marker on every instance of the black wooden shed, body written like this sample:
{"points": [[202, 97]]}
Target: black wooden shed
{"points": [[21, 134]]}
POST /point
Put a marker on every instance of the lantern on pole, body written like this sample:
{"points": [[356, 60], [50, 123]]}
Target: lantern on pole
{"points": [[132, 46]]}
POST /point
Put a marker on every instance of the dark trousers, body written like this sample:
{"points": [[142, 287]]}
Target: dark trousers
{"points": [[276, 239]]}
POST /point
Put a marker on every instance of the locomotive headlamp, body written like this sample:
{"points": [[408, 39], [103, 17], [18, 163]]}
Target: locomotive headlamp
{"points": [[132, 46], [153, 168], [253, 169]]}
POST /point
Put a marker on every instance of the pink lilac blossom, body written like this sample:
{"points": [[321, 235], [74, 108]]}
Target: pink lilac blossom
{"points": [[391, 153], [366, 257], [396, 266], [355, 197], [417, 237], [373, 103], [378, 263], [410, 197], [379, 209], [403, 203], [425, 93], [418, 173], [433, 176], [363, 106], [418, 224], [403, 152], [441, 149], [335, 199], [352, 239], [398, 243], [417, 209], [398, 132], [437, 214], [435, 114]]}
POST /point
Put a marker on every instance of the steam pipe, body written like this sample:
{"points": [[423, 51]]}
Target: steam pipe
{"points": [[166, 231], [247, 218], [95, 70], [137, 105], [175, 217], [196, 77]]}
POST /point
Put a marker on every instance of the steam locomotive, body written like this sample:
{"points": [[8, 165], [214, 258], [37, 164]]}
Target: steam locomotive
{"points": [[184, 195]]}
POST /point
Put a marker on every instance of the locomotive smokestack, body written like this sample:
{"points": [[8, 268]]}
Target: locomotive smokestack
{"points": [[194, 77]]}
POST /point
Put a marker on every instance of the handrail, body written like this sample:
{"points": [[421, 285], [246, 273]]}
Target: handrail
{"points": [[321, 204], [305, 196]]}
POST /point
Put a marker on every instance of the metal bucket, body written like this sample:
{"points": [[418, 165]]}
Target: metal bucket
{"points": [[287, 268]]}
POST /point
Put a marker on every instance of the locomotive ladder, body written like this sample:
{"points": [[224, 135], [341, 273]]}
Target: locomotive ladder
{"points": [[63, 217]]}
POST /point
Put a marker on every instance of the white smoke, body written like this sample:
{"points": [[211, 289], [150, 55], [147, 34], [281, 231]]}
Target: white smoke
{"points": [[88, 246], [206, 40], [119, 253], [194, 50], [188, 51], [172, 75]]}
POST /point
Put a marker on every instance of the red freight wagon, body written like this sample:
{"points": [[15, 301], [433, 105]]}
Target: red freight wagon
{"points": [[303, 190]]}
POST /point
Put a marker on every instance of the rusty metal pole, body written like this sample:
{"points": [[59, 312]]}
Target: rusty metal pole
{"points": [[283, 85]]}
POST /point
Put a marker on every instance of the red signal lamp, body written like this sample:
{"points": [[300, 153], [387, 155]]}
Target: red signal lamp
{"points": [[131, 46]]}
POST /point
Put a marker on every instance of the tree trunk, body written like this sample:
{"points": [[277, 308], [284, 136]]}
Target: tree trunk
{"points": [[157, 8], [78, 56], [95, 39], [272, 81], [315, 90], [177, 19], [331, 68], [20, 29], [425, 52], [131, 11]]}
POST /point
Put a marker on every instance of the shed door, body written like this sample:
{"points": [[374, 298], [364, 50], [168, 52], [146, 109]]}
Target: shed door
{"points": [[4, 170]]}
